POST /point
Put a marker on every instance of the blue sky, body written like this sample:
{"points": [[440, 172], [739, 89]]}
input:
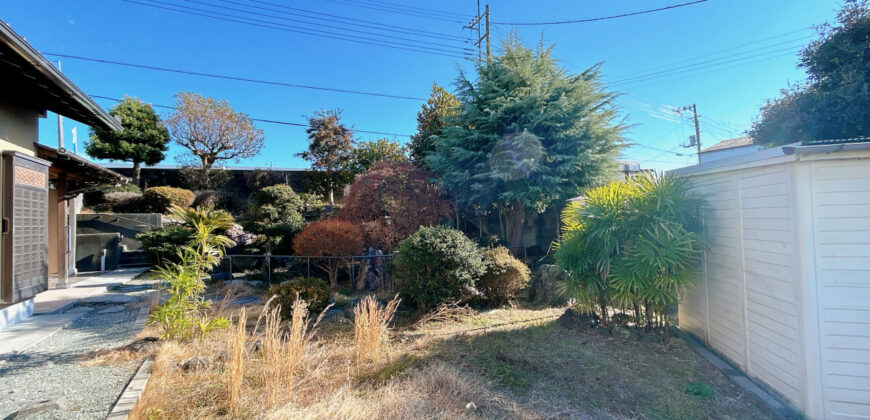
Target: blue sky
{"points": [[738, 53]]}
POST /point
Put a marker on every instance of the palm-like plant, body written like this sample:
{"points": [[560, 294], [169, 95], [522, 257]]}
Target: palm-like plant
{"points": [[181, 315], [632, 244]]}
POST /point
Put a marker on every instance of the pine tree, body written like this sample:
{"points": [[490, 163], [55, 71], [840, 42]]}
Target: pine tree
{"points": [[528, 135], [431, 120], [330, 150], [143, 139]]}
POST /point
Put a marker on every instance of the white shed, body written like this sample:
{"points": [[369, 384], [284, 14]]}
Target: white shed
{"points": [[785, 293]]}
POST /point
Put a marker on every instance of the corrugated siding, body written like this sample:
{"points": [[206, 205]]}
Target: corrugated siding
{"points": [[772, 289], [841, 211], [724, 284]]}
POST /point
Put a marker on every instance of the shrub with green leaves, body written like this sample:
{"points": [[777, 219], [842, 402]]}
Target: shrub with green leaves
{"points": [[312, 290], [632, 244], [185, 314], [437, 264], [276, 216], [97, 195], [161, 244], [505, 276], [123, 202], [700, 389], [161, 199]]}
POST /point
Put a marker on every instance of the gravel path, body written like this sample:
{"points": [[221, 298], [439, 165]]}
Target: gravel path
{"points": [[51, 370]]}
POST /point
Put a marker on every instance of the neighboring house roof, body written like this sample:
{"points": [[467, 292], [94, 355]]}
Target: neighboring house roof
{"points": [[628, 166], [228, 168], [29, 78], [81, 172], [729, 144]]}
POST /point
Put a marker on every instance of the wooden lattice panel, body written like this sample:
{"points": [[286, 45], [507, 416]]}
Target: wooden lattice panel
{"points": [[27, 176]]}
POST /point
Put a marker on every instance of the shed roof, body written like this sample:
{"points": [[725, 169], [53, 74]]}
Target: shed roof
{"points": [[81, 172], [29, 78], [730, 144]]}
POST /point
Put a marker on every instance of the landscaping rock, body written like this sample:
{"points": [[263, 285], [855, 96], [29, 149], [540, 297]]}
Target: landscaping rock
{"points": [[195, 364], [224, 276], [574, 320], [246, 300], [650, 338], [334, 316], [35, 408], [623, 333], [542, 287], [252, 283], [110, 298], [144, 345]]}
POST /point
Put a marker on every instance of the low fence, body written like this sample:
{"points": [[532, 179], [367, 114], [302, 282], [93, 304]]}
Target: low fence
{"points": [[360, 272]]}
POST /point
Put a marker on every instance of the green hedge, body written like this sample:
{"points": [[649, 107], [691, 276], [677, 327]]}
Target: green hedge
{"points": [[312, 290], [161, 244]]}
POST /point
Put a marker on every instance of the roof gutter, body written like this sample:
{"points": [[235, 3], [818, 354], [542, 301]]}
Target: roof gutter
{"points": [[43, 66], [826, 148]]}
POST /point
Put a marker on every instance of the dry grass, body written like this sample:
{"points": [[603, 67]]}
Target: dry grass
{"points": [[236, 343], [371, 328], [520, 366]]}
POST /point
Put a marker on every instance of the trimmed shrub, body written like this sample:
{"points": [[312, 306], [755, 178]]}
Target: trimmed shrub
{"points": [[97, 195], [275, 216], [161, 245], [437, 264], [505, 276], [312, 290], [161, 199], [123, 202]]}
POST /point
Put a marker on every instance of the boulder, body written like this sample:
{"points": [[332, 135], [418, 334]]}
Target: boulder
{"points": [[542, 288], [624, 333], [334, 316], [574, 320], [195, 364]]}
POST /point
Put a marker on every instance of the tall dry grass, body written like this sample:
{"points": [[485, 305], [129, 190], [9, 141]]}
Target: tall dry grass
{"points": [[281, 351], [236, 344], [371, 328]]}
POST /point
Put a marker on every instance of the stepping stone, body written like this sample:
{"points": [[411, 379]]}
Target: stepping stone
{"points": [[110, 298], [113, 309]]}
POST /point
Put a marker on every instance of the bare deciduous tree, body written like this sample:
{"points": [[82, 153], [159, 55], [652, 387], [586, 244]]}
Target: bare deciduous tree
{"points": [[212, 131]]}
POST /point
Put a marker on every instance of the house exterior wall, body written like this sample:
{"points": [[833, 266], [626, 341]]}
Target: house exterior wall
{"points": [[785, 290]]}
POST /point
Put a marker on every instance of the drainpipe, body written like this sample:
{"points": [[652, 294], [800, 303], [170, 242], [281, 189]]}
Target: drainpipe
{"points": [[103, 260]]}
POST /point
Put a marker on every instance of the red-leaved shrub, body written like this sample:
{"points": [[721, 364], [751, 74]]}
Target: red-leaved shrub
{"points": [[330, 237], [391, 201]]}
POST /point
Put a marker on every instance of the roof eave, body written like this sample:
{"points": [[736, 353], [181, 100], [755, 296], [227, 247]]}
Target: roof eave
{"points": [[44, 67]]}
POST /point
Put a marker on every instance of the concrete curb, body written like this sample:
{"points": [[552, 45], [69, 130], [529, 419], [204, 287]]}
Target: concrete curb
{"points": [[130, 396], [134, 389], [776, 406]]}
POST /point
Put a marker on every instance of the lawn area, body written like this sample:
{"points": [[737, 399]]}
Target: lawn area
{"points": [[503, 363]]}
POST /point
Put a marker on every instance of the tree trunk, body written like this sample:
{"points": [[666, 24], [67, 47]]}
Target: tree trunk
{"points": [[136, 171], [331, 197], [517, 222]]}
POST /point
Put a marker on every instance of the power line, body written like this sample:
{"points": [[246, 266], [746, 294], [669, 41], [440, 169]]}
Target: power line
{"points": [[264, 120], [317, 32], [349, 21], [317, 24], [716, 61], [642, 12], [343, 18], [236, 78], [420, 14], [340, 37], [424, 9]]}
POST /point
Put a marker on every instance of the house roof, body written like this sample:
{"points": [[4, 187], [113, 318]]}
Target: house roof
{"points": [[730, 144], [81, 173], [29, 78]]}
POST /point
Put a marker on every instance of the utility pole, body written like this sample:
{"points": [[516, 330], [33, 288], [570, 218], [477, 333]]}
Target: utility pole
{"points": [[696, 140], [476, 24], [59, 122]]}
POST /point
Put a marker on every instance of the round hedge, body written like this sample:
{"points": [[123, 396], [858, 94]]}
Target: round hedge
{"points": [[505, 276], [312, 290], [435, 265], [161, 199]]}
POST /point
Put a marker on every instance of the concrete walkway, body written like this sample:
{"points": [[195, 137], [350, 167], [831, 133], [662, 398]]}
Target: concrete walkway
{"points": [[57, 300], [50, 310]]}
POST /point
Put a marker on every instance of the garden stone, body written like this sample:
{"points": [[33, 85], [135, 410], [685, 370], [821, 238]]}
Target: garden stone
{"points": [[542, 288], [650, 338], [246, 300], [224, 276], [623, 333], [36, 408], [334, 316], [195, 363], [574, 320]]}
